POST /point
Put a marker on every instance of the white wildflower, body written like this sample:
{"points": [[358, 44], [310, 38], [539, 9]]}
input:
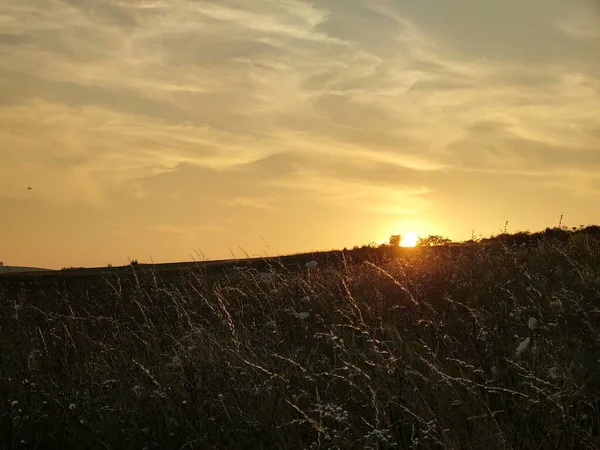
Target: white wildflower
{"points": [[72, 407], [33, 360], [303, 315], [311, 264], [137, 391], [523, 345], [158, 393], [14, 404], [176, 362], [556, 306], [553, 372], [532, 323]]}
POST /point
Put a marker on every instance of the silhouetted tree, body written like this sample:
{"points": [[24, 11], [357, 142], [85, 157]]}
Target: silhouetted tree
{"points": [[395, 240], [593, 230]]}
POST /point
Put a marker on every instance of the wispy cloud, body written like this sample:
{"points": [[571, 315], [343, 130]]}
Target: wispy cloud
{"points": [[387, 104]]}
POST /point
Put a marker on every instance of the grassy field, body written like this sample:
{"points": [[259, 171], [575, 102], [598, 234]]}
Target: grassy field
{"points": [[466, 347]]}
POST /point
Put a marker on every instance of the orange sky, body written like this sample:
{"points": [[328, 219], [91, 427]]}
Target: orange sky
{"points": [[165, 127]]}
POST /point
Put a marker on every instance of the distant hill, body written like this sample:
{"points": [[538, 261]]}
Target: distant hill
{"points": [[17, 269]]}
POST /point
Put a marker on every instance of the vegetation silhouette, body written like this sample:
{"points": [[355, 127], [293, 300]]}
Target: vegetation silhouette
{"points": [[490, 343]]}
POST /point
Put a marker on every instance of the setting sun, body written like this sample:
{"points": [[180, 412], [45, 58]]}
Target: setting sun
{"points": [[409, 239]]}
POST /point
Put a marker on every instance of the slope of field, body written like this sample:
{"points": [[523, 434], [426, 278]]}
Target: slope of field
{"points": [[17, 269], [474, 347]]}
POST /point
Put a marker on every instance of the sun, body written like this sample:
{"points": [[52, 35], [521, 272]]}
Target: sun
{"points": [[409, 239]]}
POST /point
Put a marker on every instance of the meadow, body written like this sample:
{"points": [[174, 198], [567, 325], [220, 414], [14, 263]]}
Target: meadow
{"points": [[479, 346]]}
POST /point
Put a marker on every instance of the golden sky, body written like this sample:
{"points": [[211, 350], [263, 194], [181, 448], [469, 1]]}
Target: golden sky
{"points": [[162, 127]]}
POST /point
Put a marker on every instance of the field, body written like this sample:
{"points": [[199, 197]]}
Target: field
{"points": [[458, 347]]}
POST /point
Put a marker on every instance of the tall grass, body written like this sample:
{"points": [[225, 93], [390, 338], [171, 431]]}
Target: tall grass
{"points": [[425, 350]]}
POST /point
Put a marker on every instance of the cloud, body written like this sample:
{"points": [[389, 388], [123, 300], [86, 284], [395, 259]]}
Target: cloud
{"points": [[495, 146], [276, 106]]}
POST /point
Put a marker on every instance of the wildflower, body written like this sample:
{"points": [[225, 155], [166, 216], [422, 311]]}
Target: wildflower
{"points": [[72, 407], [311, 264], [33, 360], [14, 404], [553, 372], [532, 323], [220, 397], [176, 362], [482, 335], [303, 315], [157, 393], [523, 345], [137, 390], [556, 306]]}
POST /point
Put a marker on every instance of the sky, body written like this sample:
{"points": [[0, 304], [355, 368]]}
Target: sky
{"points": [[169, 129]]}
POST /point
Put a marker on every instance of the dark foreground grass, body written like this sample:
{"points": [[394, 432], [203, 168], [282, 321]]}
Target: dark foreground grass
{"points": [[481, 347]]}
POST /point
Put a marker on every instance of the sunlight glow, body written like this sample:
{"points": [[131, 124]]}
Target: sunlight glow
{"points": [[409, 239]]}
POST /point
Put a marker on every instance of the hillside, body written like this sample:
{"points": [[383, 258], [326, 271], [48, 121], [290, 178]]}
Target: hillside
{"points": [[460, 347], [17, 269]]}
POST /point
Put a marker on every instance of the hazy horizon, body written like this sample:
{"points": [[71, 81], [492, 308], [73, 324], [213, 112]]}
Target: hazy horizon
{"points": [[163, 127]]}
